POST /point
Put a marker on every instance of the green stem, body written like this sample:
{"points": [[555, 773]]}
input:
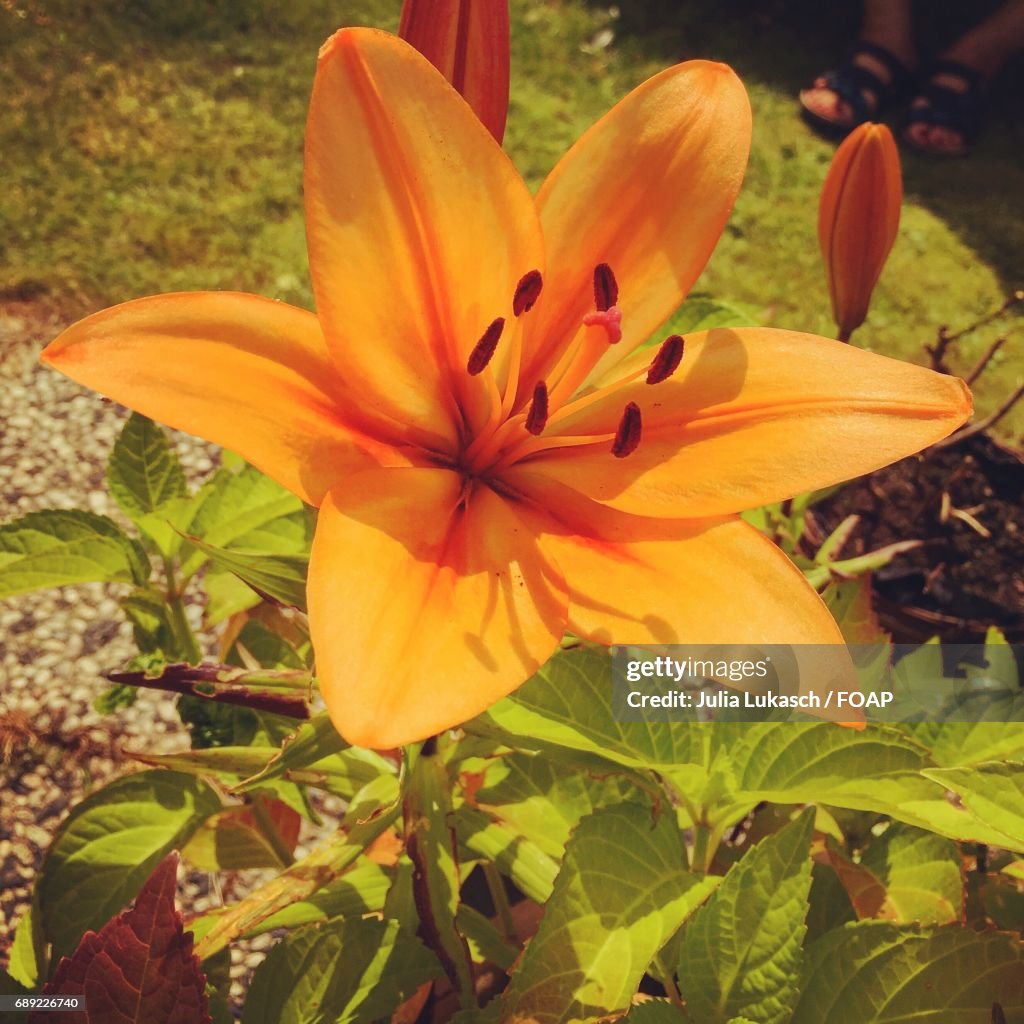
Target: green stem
{"points": [[499, 898], [269, 831], [700, 846], [187, 647], [668, 983]]}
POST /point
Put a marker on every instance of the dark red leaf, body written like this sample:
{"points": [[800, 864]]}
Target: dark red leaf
{"points": [[139, 968]]}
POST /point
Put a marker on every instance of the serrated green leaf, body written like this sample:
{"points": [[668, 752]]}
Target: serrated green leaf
{"points": [[623, 889], [567, 704], [874, 972], [994, 793], [741, 953], [110, 844], [249, 510], [921, 875], [544, 801], [61, 547], [144, 473], [352, 972], [281, 577]]}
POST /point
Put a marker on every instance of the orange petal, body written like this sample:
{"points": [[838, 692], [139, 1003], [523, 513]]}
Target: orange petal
{"points": [[635, 580], [419, 228], [247, 373], [467, 41], [755, 415], [858, 218], [703, 581], [424, 610], [646, 190]]}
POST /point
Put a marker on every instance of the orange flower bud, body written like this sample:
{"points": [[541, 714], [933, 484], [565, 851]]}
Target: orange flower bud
{"points": [[857, 220], [467, 41]]}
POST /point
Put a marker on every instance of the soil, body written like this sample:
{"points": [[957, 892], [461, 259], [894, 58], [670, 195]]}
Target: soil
{"points": [[969, 571]]}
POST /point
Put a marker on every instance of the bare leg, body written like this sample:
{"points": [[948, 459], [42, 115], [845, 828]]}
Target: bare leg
{"points": [[886, 24], [985, 49]]}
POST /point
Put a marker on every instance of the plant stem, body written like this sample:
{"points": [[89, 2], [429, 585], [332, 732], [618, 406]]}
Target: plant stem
{"points": [[496, 887], [668, 982]]}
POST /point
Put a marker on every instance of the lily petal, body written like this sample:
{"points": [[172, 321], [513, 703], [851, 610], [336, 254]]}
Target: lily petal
{"points": [[247, 373], [755, 415], [703, 582], [467, 41], [425, 610], [634, 580], [418, 225], [646, 190]]}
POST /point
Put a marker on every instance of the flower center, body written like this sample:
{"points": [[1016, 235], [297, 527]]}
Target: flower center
{"points": [[515, 431]]}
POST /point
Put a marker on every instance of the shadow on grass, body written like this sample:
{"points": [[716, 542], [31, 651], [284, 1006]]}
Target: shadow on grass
{"points": [[783, 44]]}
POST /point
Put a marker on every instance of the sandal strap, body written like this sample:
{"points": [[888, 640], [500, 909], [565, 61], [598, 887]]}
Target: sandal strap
{"points": [[851, 80], [971, 77], [899, 73]]}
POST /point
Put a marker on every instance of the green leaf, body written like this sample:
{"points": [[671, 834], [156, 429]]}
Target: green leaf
{"points": [[358, 892], [110, 844], [532, 870], [543, 800], [354, 972], [249, 510], [874, 972], [367, 818], [623, 889], [144, 473], [993, 793], [27, 960], [147, 610], [567, 704], [280, 577], [921, 875], [56, 548], [741, 952], [486, 943]]}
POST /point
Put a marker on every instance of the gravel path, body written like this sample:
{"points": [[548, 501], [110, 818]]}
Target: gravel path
{"points": [[56, 644]]}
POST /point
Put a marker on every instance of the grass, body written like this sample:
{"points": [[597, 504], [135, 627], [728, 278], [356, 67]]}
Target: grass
{"points": [[156, 146]]}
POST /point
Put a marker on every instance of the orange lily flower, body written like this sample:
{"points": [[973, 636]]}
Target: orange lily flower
{"points": [[858, 218], [467, 41], [493, 459]]}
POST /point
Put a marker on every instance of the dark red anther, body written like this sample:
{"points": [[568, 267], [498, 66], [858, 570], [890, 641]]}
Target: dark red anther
{"points": [[483, 350], [606, 288], [667, 361], [627, 437], [537, 417], [527, 292]]}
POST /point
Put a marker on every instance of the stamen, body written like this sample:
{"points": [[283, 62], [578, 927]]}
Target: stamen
{"points": [[667, 361], [627, 437], [483, 350], [610, 320], [527, 292], [606, 288], [537, 418]]}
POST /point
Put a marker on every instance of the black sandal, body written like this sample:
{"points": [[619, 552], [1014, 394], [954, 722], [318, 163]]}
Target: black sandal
{"points": [[943, 107], [850, 80]]}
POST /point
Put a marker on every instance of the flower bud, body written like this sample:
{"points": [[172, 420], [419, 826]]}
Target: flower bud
{"points": [[857, 220], [467, 41]]}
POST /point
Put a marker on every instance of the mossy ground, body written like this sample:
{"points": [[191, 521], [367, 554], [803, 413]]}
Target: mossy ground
{"points": [[157, 146]]}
